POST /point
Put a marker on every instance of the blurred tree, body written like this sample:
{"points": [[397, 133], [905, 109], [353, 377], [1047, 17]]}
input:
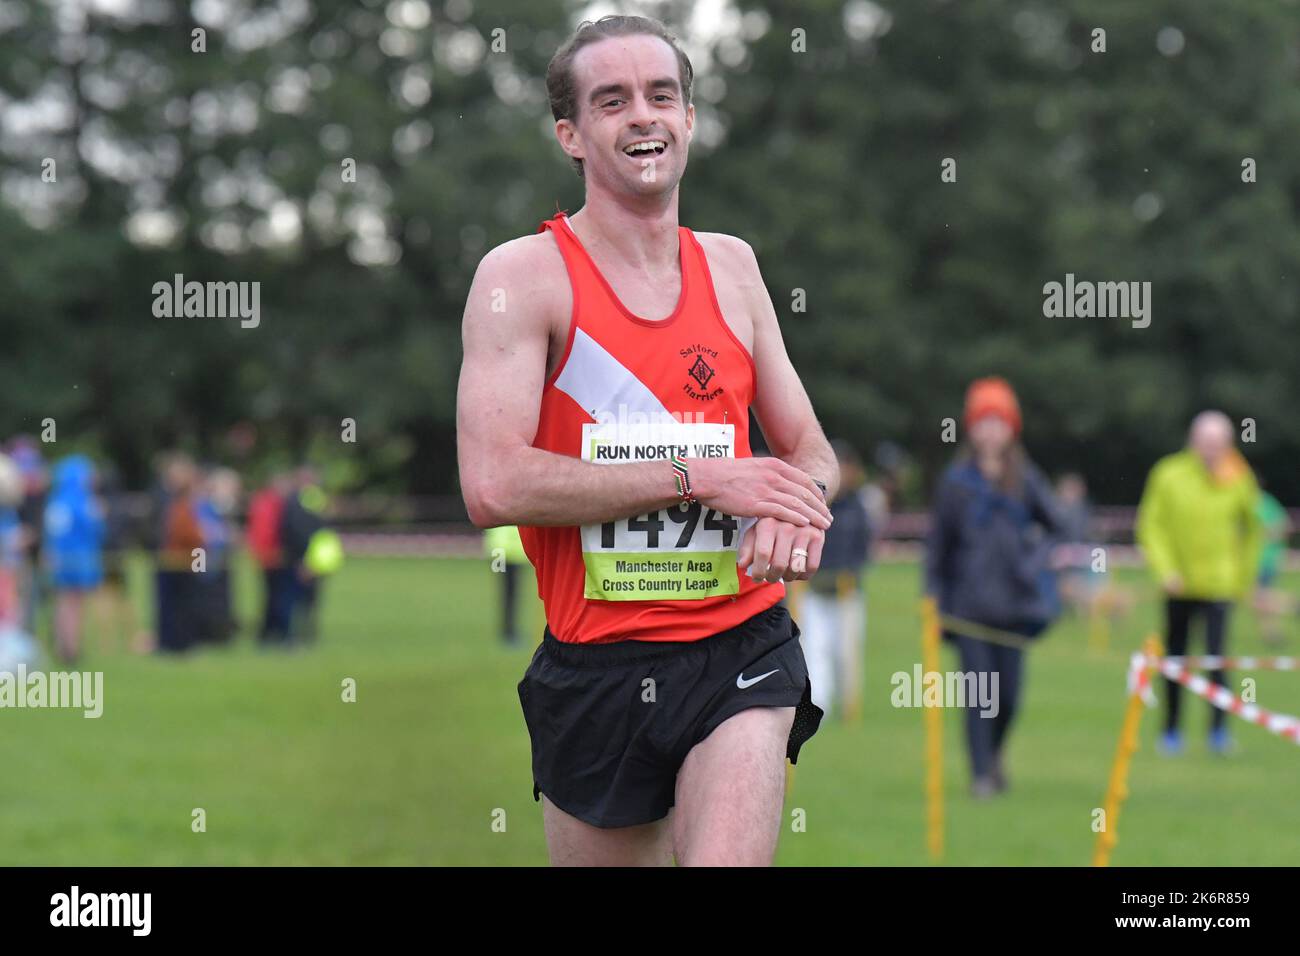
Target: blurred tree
{"points": [[1115, 166], [236, 164]]}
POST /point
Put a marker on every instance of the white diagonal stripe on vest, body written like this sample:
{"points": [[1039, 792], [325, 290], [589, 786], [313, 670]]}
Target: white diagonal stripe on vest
{"points": [[598, 382]]}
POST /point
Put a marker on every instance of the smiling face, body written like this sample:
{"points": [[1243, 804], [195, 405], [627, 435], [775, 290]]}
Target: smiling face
{"points": [[631, 126]]}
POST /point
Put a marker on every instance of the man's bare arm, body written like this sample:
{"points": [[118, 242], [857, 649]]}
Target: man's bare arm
{"points": [[506, 481], [781, 403], [774, 549]]}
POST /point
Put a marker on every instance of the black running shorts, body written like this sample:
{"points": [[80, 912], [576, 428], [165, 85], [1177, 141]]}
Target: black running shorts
{"points": [[611, 723]]}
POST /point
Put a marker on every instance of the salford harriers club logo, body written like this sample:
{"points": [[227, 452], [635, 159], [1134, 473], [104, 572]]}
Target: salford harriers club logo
{"points": [[700, 374]]}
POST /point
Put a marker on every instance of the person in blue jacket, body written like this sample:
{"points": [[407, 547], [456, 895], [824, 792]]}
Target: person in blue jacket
{"points": [[73, 549], [217, 501], [988, 562]]}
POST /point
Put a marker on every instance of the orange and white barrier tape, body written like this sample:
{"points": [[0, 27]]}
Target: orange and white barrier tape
{"points": [[1139, 677], [1283, 725]]}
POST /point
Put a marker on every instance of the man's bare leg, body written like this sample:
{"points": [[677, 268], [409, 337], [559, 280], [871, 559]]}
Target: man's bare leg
{"points": [[571, 842], [730, 791]]}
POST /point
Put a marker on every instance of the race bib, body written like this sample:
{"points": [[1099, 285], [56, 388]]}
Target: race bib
{"points": [[681, 553]]}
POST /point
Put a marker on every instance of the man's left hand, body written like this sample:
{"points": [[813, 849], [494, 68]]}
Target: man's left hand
{"points": [[776, 550]]}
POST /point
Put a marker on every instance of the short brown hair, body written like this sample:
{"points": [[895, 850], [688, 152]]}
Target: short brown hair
{"points": [[560, 86]]}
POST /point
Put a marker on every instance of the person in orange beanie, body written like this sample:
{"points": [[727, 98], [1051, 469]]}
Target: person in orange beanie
{"points": [[992, 396], [992, 527]]}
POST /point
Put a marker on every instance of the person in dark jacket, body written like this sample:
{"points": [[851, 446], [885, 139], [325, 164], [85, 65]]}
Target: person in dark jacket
{"points": [[116, 623], [832, 606], [32, 587], [988, 562], [302, 516], [169, 471]]}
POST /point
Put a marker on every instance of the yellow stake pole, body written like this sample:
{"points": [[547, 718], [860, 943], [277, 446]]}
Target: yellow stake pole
{"points": [[933, 717], [1117, 789]]}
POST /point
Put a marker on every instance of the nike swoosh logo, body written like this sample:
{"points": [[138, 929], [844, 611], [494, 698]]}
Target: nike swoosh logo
{"points": [[742, 683]]}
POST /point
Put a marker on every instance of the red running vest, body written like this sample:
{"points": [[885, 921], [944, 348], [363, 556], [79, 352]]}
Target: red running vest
{"points": [[631, 390]]}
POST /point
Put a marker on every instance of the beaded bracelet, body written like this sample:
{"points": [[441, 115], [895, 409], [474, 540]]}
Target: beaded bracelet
{"points": [[683, 478]]}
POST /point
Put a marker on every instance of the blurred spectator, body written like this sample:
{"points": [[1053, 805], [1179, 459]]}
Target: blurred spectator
{"points": [[160, 495], [1074, 508], [215, 508], [1086, 587], [115, 616], [1271, 603], [179, 588], [504, 543], [265, 513], [1078, 582], [303, 517], [74, 537], [1199, 530], [878, 498], [11, 544], [832, 606], [26, 454], [987, 562]]}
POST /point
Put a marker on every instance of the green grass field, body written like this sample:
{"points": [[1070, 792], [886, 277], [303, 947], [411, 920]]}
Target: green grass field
{"points": [[413, 772]]}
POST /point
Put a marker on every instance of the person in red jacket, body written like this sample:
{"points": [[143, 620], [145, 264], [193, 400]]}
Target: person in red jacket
{"points": [[265, 512]]}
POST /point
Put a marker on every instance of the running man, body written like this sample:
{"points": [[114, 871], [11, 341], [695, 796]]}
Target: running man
{"points": [[610, 366]]}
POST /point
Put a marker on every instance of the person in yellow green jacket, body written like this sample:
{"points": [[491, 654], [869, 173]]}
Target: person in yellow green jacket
{"points": [[1199, 530], [506, 549]]}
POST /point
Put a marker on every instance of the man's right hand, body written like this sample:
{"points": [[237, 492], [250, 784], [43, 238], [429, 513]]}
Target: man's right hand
{"points": [[1173, 585], [759, 488]]}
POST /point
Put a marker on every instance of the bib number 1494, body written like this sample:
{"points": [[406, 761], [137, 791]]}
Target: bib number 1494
{"points": [[681, 521]]}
